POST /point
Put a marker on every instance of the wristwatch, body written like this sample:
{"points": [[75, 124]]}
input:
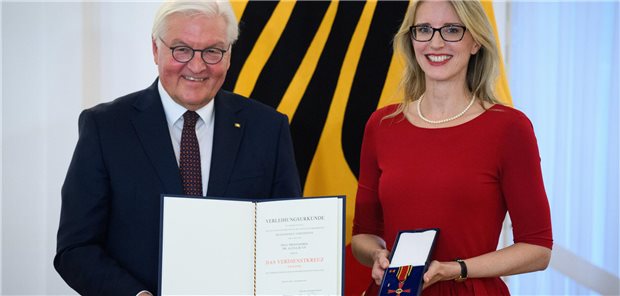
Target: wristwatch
{"points": [[463, 276]]}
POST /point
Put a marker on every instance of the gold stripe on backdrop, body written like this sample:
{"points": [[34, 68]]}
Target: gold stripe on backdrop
{"points": [[303, 75], [263, 48], [391, 92], [329, 172], [238, 7], [502, 90]]}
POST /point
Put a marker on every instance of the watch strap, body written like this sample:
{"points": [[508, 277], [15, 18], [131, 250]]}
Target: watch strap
{"points": [[463, 276]]}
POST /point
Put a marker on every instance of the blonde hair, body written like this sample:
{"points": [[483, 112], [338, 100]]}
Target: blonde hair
{"points": [[212, 8], [483, 67]]}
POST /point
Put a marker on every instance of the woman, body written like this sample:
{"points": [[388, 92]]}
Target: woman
{"points": [[451, 157]]}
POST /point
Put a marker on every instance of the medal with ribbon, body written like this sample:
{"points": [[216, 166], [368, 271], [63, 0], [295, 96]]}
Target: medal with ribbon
{"points": [[401, 275]]}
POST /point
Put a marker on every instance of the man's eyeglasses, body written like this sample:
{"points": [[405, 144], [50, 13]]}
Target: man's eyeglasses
{"points": [[449, 33], [184, 53]]}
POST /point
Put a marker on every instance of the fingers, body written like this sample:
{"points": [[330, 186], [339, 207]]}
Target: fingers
{"points": [[430, 273], [377, 274], [430, 276], [380, 265], [384, 262], [378, 281]]}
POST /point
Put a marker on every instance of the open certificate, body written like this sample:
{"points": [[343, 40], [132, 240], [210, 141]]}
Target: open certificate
{"points": [[215, 246]]}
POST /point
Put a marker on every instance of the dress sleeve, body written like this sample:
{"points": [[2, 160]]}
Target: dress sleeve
{"points": [[368, 212], [522, 185]]}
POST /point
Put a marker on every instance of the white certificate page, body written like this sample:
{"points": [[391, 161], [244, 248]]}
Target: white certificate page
{"points": [[207, 247], [299, 247]]}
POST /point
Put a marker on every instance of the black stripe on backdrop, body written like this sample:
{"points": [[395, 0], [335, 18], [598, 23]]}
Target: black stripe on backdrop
{"points": [[251, 24], [309, 120], [370, 77], [286, 57]]}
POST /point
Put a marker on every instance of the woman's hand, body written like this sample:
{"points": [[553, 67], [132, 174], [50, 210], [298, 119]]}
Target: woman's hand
{"points": [[380, 264], [441, 271]]}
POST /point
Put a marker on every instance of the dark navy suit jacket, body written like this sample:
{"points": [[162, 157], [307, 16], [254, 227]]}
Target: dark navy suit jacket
{"points": [[108, 238]]}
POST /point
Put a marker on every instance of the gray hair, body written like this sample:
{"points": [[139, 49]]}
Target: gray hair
{"points": [[221, 8]]}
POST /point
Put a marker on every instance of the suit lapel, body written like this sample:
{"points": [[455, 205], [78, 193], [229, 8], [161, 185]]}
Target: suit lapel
{"points": [[152, 129], [227, 134]]}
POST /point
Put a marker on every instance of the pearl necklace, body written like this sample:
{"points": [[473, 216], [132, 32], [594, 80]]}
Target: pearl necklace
{"points": [[473, 98]]}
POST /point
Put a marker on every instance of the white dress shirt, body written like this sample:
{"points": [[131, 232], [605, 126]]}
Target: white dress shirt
{"points": [[204, 131]]}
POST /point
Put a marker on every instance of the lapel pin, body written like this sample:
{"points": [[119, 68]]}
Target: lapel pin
{"points": [[237, 125]]}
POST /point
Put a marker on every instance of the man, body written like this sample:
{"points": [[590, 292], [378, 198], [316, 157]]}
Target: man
{"points": [[135, 148]]}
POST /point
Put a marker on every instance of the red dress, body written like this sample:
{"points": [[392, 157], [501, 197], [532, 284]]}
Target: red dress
{"points": [[461, 179]]}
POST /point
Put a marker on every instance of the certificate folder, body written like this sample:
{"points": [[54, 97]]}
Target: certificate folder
{"points": [[219, 246], [409, 260]]}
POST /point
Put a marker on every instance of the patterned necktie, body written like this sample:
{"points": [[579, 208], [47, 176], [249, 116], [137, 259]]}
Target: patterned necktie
{"points": [[190, 156]]}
